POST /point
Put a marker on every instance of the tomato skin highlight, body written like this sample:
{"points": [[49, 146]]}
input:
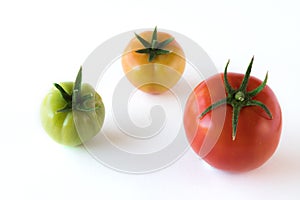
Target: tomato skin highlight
{"points": [[257, 135], [159, 75], [60, 126]]}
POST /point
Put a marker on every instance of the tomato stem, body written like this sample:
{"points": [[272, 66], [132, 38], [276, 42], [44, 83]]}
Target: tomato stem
{"points": [[76, 101], [239, 98], [153, 48]]}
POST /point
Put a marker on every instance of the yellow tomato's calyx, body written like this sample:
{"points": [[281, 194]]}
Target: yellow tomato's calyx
{"points": [[76, 101], [153, 48], [239, 98]]}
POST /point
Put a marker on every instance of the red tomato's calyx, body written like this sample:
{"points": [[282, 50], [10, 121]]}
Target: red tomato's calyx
{"points": [[75, 101], [239, 98], [154, 48]]}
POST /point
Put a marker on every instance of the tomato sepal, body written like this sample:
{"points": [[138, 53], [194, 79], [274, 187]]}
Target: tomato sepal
{"points": [[153, 48], [76, 101], [239, 98]]}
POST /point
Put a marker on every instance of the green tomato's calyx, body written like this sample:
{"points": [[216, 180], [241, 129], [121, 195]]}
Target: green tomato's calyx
{"points": [[76, 101], [154, 48], [239, 98]]}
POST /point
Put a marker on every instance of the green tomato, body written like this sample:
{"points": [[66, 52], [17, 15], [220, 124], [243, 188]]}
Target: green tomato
{"points": [[71, 122]]}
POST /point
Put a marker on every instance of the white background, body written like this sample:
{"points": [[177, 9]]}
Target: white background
{"points": [[45, 42]]}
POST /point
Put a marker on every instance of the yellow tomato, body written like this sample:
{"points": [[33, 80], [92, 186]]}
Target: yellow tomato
{"points": [[153, 61]]}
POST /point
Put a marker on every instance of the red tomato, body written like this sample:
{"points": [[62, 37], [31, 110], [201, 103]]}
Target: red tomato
{"points": [[212, 136]]}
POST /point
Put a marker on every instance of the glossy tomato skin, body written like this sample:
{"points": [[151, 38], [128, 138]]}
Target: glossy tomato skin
{"points": [[257, 135], [62, 126], [156, 76]]}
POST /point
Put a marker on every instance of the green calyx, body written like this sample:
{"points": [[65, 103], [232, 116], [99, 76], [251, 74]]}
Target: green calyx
{"points": [[239, 98], [153, 48], [76, 101]]}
